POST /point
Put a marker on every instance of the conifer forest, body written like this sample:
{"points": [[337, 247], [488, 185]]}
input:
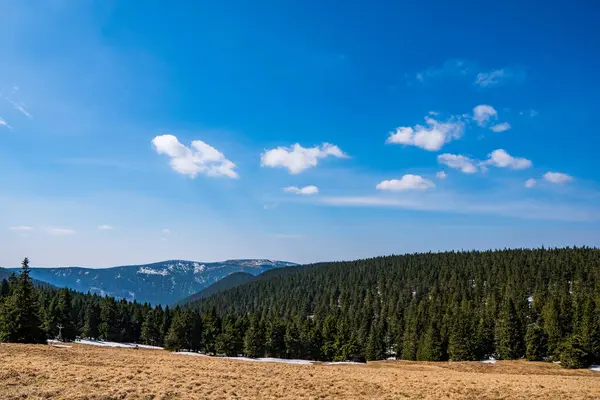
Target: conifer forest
{"points": [[540, 304]]}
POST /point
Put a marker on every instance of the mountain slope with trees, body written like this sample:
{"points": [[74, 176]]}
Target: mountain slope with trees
{"points": [[541, 304], [230, 281]]}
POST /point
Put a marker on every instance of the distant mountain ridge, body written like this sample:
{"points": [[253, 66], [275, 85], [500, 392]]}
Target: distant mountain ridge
{"points": [[162, 282]]}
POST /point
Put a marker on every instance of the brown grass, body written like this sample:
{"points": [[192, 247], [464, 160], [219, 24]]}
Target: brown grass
{"points": [[87, 372]]}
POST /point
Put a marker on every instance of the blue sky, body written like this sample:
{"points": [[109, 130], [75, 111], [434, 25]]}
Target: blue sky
{"points": [[301, 131]]}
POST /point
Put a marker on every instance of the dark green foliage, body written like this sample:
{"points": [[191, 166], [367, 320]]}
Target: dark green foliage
{"points": [[573, 354], [536, 343], [19, 314], [254, 340], [109, 328], [509, 335], [91, 319], [542, 304]]}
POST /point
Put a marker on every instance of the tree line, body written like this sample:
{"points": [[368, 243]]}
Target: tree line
{"points": [[541, 304]]}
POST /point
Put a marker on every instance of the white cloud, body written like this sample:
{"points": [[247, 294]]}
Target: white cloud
{"points": [[458, 161], [166, 231], [501, 159], [492, 78], [441, 175], [21, 108], [5, 124], [199, 158], [54, 231], [297, 158], [105, 227], [484, 113], [467, 204], [306, 190], [407, 182], [451, 68], [557, 177], [504, 126], [21, 228], [431, 137], [531, 113], [529, 183]]}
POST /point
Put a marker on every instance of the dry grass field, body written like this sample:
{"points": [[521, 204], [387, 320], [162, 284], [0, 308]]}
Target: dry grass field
{"points": [[87, 372]]}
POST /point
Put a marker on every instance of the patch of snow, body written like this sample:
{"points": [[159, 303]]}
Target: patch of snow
{"points": [[595, 368], [189, 353], [267, 359], [101, 343], [199, 268], [78, 281], [530, 300], [61, 346], [87, 273], [118, 276], [490, 360], [150, 271]]}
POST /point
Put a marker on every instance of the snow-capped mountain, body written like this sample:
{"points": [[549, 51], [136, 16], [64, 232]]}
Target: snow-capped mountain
{"points": [[159, 283]]}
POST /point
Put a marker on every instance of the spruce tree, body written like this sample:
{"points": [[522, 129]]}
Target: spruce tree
{"points": [[211, 330], [19, 318], [109, 327], [536, 343], [254, 339], [375, 347], [509, 339], [92, 320]]}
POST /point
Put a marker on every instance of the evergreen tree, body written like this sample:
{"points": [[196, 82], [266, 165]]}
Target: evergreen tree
{"points": [[375, 347], [509, 339], [536, 343], [275, 339], [254, 339], [573, 354], [92, 320], [109, 329], [211, 330], [431, 347], [19, 317], [150, 333], [175, 339]]}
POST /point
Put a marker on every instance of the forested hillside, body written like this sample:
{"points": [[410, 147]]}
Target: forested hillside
{"points": [[230, 281], [454, 305], [539, 304]]}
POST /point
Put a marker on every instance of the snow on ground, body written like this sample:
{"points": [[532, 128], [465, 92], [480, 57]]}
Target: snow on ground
{"points": [[274, 360], [489, 361], [595, 368], [115, 344], [60, 346], [190, 353]]}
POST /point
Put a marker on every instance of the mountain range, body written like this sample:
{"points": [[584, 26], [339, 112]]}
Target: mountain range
{"points": [[159, 283]]}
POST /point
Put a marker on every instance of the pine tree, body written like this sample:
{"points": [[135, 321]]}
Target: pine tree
{"points": [[375, 347], [536, 343], [431, 348], [175, 338], [150, 333], [509, 339], [462, 344], [19, 318], [254, 339], [92, 320], [573, 354], [109, 328], [275, 339], [211, 330]]}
